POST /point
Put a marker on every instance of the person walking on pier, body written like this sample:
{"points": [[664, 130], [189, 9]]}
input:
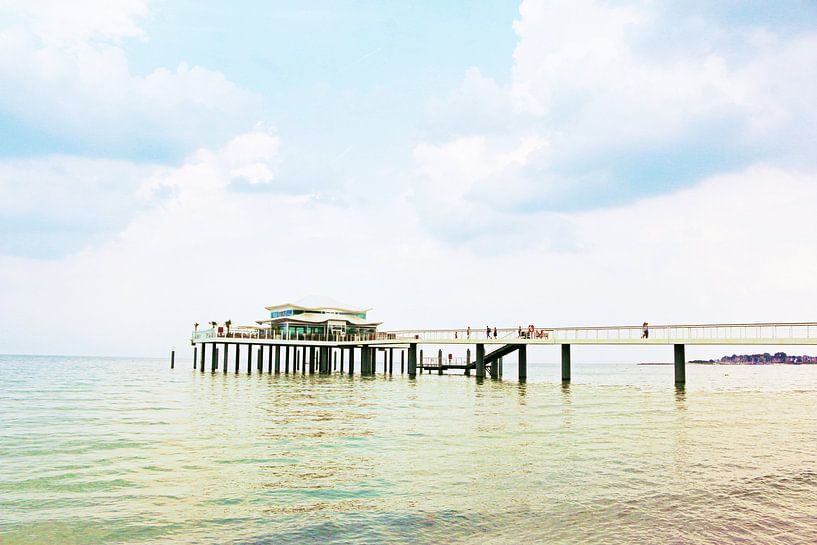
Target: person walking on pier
{"points": [[645, 331], [488, 332], [468, 332], [494, 332]]}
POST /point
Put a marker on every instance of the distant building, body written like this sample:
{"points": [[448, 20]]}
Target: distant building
{"points": [[314, 318]]}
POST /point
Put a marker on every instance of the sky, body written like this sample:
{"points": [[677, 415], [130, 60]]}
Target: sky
{"points": [[447, 164]]}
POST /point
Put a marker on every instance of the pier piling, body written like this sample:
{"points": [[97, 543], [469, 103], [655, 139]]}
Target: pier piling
{"points": [[522, 355], [412, 360], [237, 354], [565, 363], [680, 363], [480, 361], [468, 362], [439, 362], [213, 358], [225, 362], [249, 359], [195, 352], [173, 359], [277, 359], [203, 351], [402, 362]]}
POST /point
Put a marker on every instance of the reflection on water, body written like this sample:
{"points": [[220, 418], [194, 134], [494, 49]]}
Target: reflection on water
{"points": [[127, 451]]}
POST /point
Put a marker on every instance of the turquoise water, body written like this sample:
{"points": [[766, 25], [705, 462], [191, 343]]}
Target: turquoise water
{"points": [[97, 450]]}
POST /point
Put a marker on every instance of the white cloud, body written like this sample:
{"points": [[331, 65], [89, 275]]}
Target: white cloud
{"points": [[64, 72], [624, 110]]}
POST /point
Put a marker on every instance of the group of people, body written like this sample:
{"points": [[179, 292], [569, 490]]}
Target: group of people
{"points": [[488, 332]]}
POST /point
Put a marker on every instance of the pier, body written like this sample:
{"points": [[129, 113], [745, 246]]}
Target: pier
{"points": [[325, 340]]}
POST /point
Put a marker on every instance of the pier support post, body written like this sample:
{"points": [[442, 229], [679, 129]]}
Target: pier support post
{"points": [[496, 368], [351, 360], [365, 356], [201, 362], [680, 364], [237, 353], [326, 364], [422, 362], [195, 353], [269, 359], [249, 359], [311, 360], [172, 359], [480, 361], [468, 362], [225, 362], [334, 360], [391, 361], [213, 358], [277, 359], [439, 362], [412, 360], [260, 359], [565, 363], [286, 359], [522, 358], [342, 358], [402, 362]]}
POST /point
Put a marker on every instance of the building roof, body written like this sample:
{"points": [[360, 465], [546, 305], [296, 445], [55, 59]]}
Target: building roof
{"points": [[318, 303], [313, 318]]}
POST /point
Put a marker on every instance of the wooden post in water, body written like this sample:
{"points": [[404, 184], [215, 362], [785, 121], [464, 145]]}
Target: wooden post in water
{"points": [[565, 363], [440, 361], [351, 360], [342, 357], [214, 358], [260, 358], [422, 361], [412, 360], [468, 362], [277, 358], [311, 360], [173, 358], [522, 355], [286, 359], [203, 351], [269, 359], [249, 359], [480, 361], [680, 364], [195, 353], [237, 354], [391, 361], [402, 362], [226, 353]]}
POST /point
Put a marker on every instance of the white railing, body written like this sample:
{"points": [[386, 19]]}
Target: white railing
{"points": [[728, 333], [752, 333], [266, 334]]}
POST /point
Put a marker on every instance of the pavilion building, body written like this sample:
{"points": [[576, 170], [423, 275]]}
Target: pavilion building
{"points": [[318, 318]]}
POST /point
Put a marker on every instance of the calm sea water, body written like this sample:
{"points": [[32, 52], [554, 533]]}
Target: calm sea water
{"points": [[99, 450]]}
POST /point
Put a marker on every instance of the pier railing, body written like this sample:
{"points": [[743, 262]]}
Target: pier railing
{"points": [[740, 333], [266, 334], [751, 333]]}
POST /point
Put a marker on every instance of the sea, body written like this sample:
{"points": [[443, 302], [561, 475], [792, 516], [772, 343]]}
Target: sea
{"points": [[127, 451]]}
